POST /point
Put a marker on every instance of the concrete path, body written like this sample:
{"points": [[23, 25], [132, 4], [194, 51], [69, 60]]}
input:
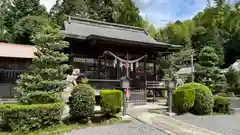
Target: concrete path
{"points": [[165, 123]]}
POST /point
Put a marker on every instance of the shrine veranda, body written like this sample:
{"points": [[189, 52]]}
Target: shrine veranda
{"points": [[100, 50]]}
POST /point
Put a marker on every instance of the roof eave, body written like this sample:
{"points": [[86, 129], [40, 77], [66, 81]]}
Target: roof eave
{"points": [[75, 36], [91, 37]]}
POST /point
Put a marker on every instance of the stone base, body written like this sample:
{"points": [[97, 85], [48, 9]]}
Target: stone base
{"points": [[65, 112], [126, 117], [170, 114], [130, 105]]}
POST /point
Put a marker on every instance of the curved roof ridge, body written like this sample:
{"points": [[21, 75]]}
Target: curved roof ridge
{"points": [[107, 24]]}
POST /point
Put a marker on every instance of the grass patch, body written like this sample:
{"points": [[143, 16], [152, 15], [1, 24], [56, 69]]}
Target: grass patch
{"points": [[66, 128]]}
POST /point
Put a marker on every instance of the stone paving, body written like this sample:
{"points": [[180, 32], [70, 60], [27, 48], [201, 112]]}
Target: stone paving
{"points": [[166, 123], [223, 124], [187, 124], [133, 128]]}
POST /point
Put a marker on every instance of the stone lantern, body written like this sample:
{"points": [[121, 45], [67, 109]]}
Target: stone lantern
{"points": [[125, 84], [170, 84]]}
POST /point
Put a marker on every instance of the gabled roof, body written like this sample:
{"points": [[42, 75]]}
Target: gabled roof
{"points": [[91, 29], [17, 51]]}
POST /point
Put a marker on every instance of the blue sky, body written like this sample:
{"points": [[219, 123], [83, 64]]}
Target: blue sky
{"points": [[161, 12]]}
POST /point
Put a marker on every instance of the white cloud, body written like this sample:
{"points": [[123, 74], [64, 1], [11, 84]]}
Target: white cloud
{"points": [[161, 12], [48, 3]]}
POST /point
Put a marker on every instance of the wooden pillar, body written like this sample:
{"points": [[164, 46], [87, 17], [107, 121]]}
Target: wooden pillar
{"points": [[94, 73], [155, 76], [118, 69], [155, 68], [105, 62], [99, 68]]}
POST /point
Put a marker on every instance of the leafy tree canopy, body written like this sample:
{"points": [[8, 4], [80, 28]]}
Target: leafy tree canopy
{"points": [[21, 8], [115, 11], [28, 26]]}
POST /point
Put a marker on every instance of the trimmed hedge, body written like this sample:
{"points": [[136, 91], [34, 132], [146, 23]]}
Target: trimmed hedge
{"points": [[111, 101], [203, 103], [221, 105], [18, 117], [183, 100], [82, 101], [41, 98]]}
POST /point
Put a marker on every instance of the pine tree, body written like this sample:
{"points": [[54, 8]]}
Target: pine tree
{"points": [[208, 71], [48, 69]]}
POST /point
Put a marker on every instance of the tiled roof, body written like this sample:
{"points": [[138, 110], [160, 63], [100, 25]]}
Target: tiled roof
{"points": [[87, 28], [16, 50]]}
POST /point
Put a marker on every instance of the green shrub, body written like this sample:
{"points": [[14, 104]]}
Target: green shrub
{"points": [[221, 94], [111, 101], [183, 100], [221, 105], [41, 98], [18, 117], [82, 101], [203, 103]]}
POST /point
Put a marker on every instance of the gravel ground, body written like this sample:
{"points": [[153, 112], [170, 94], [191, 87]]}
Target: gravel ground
{"points": [[133, 128]]}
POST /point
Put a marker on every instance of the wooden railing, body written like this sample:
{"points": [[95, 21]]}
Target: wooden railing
{"points": [[155, 85], [10, 75]]}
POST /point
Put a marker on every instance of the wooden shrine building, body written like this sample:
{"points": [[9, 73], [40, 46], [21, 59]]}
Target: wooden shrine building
{"points": [[99, 49], [14, 60], [95, 45]]}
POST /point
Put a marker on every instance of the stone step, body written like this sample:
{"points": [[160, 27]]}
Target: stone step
{"points": [[171, 125]]}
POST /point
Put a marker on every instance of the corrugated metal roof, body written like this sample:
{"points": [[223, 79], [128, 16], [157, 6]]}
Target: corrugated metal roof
{"points": [[86, 28], [184, 71], [16, 50]]}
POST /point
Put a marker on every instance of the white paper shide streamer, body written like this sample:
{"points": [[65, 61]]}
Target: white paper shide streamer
{"points": [[130, 62]]}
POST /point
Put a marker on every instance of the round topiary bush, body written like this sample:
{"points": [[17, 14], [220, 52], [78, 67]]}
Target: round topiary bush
{"points": [[183, 100], [221, 105], [82, 101], [203, 103]]}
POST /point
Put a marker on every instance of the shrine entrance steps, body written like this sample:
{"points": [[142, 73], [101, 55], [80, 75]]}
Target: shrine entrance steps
{"points": [[141, 97], [138, 97]]}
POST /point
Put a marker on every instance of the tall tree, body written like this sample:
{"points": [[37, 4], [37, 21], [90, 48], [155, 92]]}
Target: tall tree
{"points": [[48, 71], [26, 27], [4, 35], [216, 26], [115, 11], [21, 8], [128, 13]]}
